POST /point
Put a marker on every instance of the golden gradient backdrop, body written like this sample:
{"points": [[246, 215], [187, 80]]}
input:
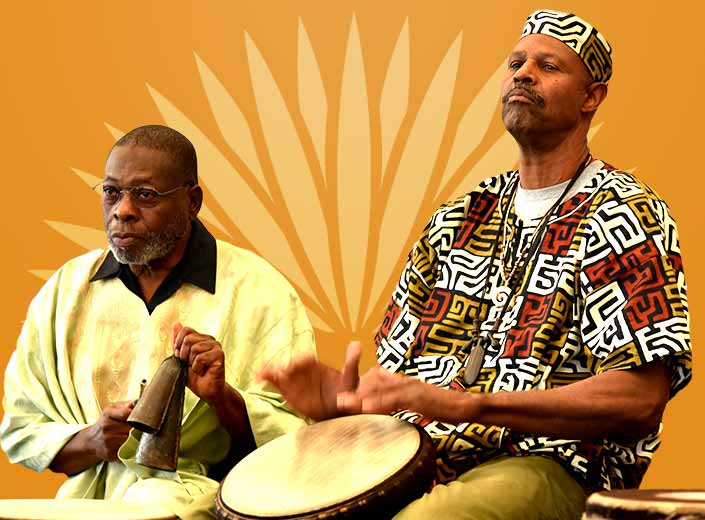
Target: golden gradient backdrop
{"points": [[70, 68]]}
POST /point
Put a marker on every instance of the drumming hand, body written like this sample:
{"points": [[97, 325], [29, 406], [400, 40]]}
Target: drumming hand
{"points": [[311, 387], [381, 391], [206, 362]]}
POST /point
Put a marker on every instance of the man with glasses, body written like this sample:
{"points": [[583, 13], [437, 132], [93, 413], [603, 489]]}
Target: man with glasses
{"points": [[105, 320]]}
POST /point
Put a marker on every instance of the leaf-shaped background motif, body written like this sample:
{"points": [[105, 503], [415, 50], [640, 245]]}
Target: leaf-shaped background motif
{"points": [[354, 171], [42, 274], [274, 190], [231, 122], [475, 122], [235, 196], [501, 156], [412, 178], [115, 132], [90, 179], [394, 101], [87, 237], [312, 94], [292, 170]]}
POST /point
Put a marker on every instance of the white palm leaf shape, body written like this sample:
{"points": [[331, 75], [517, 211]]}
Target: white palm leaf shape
{"points": [[231, 121], [312, 94], [87, 237], [294, 176], [412, 177], [354, 175], [474, 123], [206, 214], [243, 200], [42, 274], [394, 101], [115, 132], [393, 108]]}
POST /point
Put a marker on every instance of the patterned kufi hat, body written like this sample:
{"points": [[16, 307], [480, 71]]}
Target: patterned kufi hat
{"points": [[577, 34]]}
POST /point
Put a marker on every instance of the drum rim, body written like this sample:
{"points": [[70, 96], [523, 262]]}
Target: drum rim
{"points": [[607, 510], [155, 512], [425, 445]]}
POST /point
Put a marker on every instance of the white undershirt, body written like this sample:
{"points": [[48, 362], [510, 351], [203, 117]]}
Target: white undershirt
{"points": [[533, 204]]}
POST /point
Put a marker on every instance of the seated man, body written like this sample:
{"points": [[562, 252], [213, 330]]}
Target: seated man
{"points": [[105, 321], [541, 324]]}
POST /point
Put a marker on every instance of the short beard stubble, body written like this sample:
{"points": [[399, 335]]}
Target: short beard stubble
{"points": [[156, 244]]}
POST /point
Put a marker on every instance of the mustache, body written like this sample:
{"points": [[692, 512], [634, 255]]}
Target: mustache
{"points": [[525, 91]]}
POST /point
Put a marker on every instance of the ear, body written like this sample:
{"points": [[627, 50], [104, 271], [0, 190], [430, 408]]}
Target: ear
{"points": [[195, 194], [595, 95]]}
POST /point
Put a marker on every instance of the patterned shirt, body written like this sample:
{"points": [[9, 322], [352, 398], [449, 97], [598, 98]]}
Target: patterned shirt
{"points": [[604, 291]]}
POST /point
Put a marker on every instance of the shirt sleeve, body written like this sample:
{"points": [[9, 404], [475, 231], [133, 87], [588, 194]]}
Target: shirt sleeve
{"points": [[39, 415], [635, 308], [278, 330], [396, 335]]}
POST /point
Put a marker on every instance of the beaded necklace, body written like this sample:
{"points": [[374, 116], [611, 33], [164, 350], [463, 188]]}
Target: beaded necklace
{"points": [[511, 277]]}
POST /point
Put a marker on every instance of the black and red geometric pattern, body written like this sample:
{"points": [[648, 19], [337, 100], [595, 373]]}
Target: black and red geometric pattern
{"points": [[604, 291]]}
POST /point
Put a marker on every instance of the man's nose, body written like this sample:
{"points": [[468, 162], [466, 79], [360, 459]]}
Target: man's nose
{"points": [[125, 208], [526, 73]]}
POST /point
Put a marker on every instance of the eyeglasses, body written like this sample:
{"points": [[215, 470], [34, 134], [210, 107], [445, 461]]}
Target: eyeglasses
{"points": [[141, 196]]}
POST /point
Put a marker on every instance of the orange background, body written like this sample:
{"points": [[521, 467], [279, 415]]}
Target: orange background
{"points": [[70, 67]]}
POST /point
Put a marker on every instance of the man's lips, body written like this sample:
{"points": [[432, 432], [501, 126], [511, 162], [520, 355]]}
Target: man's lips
{"points": [[522, 95], [518, 96], [124, 239]]}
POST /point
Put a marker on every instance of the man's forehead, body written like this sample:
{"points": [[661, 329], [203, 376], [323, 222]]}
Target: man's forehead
{"points": [[140, 158]]}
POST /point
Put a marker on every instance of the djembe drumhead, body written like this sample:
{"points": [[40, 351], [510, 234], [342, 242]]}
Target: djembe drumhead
{"points": [[651, 504], [80, 509], [367, 465]]}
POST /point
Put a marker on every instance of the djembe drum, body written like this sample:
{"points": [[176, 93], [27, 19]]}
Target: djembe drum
{"points": [[80, 509], [359, 466], [648, 504]]}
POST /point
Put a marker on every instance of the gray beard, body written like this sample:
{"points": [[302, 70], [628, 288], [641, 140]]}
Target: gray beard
{"points": [[156, 245]]}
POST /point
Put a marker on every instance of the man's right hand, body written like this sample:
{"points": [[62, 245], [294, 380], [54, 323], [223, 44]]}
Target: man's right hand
{"points": [[311, 387], [107, 435], [99, 442]]}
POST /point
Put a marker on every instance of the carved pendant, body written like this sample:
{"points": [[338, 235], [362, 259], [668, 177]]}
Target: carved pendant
{"points": [[500, 295], [474, 361]]}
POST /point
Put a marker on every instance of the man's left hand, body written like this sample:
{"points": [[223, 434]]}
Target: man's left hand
{"points": [[206, 362]]}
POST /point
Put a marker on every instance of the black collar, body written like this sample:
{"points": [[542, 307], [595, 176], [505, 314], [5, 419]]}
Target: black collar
{"points": [[197, 267]]}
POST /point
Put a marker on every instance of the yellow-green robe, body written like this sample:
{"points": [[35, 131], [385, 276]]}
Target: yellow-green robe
{"points": [[86, 344]]}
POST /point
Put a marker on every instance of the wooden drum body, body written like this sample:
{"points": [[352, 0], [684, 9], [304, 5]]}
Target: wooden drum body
{"points": [[647, 504], [80, 509], [366, 465]]}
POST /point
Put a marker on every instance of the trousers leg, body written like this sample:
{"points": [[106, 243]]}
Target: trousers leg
{"points": [[506, 488]]}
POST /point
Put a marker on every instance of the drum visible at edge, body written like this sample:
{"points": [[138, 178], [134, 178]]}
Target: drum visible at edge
{"points": [[80, 509], [654, 504], [367, 465]]}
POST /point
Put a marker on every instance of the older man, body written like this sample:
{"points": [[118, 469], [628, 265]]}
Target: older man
{"points": [[540, 325], [105, 320]]}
